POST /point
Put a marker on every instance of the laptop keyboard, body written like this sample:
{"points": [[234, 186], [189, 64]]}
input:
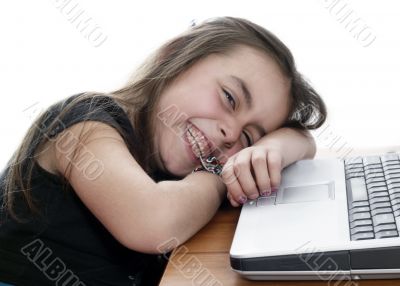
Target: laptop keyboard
{"points": [[373, 196]]}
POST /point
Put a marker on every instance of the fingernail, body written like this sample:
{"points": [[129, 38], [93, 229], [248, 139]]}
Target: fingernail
{"points": [[242, 199], [264, 194], [274, 189]]}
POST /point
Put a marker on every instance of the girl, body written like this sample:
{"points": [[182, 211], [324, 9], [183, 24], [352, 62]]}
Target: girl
{"points": [[101, 181]]}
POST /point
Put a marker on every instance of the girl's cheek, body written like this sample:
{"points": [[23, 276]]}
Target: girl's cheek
{"points": [[213, 107], [209, 105]]}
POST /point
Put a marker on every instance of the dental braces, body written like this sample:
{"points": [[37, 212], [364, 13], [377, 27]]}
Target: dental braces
{"points": [[210, 164]]}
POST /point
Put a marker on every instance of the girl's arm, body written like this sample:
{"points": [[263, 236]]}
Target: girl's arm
{"points": [[141, 214], [256, 170]]}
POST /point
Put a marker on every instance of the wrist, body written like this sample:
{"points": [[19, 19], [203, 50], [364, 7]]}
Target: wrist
{"points": [[205, 179]]}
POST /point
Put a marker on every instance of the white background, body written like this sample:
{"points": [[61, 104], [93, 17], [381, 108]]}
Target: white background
{"points": [[44, 57]]}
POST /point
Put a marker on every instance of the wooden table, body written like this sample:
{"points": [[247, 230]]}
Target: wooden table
{"points": [[204, 259]]}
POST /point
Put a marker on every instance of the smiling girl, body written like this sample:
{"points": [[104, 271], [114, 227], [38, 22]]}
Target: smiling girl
{"points": [[101, 180]]}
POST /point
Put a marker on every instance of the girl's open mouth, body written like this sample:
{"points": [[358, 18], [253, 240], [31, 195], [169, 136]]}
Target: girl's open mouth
{"points": [[199, 144]]}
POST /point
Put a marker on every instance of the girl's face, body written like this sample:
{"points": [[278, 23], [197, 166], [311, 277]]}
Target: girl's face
{"points": [[226, 102]]}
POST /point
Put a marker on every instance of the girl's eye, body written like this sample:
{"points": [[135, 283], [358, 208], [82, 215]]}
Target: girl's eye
{"points": [[230, 98], [248, 139], [232, 102]]}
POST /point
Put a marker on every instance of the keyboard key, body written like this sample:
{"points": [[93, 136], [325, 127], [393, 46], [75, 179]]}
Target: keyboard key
{"points": [[358, 170], [379, 200], [382, 219], [395, 201], [355, 172], [398, 223], [364, 228], [392, 176], [355, 169], [360, 222], [388, 167], [354, 175], [356, 190], [392, 172], [375, 165], [359, 216], [371, 160], [374, 172], [376, 189], [376, 184], [396, 207], [394, 191], [382, 227], [362, 235], [394, 196], [359, 204], [381, 211], [386, 234], [391, 164], [373, 179], [360, 209], [380, 205], [378, 194], [393, 185], [396, 213], [393, 180], [389, 157], [354, 160], [372, 169]]}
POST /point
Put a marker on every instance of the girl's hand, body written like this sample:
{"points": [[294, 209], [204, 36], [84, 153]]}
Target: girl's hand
{"points": [[252, 172]]}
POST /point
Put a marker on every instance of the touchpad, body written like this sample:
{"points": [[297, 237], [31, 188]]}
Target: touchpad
{"points": [[306, 193]]}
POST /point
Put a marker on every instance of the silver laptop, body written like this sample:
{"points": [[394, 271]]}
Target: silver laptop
{"points": [[331, 219]]}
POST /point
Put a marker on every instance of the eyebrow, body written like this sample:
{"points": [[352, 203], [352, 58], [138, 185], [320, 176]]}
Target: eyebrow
{"points": [[248, 100]]}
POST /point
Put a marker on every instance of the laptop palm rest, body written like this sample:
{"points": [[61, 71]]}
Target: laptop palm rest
{"points": [[306, 193]]}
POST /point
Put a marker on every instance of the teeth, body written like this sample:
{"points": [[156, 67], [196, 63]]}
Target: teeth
{"points": [[195, 149], [199, 139]]}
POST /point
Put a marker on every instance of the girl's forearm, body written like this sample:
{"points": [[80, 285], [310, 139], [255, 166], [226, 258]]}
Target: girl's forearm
{"points": [[294, 144], [190, 204]]}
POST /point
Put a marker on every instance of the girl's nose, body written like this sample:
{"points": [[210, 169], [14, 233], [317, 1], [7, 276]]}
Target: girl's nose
{"points": [[229, 134]]}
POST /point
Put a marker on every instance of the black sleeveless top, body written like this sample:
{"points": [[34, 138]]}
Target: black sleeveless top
{"points": [[66, 243]]}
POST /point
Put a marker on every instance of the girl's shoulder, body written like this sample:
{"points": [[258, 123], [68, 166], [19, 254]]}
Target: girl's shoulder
{"points": [[84, 112]]}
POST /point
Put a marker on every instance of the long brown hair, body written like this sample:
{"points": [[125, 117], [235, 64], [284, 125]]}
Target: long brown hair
{"points": [[140, 95]]}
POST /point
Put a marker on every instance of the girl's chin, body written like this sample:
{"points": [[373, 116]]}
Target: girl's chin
{"points": [[178, 171]]}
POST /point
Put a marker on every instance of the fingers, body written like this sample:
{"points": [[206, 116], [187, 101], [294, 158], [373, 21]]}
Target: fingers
{"points": [[234, 189], [242, 170], [274, 168], [251, 174], [232, 200], [260, 167], [239, 180]]}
